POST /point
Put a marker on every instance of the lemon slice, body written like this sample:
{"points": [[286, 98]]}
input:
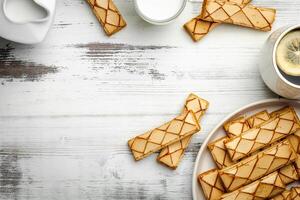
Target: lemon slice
{"points": [[288, 53]]}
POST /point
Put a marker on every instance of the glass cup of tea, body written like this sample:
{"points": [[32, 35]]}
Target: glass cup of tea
{"points": [[280, 62]]}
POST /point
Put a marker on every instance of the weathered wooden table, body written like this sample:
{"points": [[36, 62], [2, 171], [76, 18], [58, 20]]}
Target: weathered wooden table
{"points": [[69, 105]]}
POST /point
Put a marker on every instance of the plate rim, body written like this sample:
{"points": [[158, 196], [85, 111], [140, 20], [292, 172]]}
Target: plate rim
{"points": [[216, 127]]}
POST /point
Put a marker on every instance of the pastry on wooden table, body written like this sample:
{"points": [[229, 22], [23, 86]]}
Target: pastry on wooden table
{"points": [[238, 14], [261, 136], [182, 126], [197, 105], [264, 188], [211, 184], [198, 28], [172, 154], [108, 15], [257, 166]]}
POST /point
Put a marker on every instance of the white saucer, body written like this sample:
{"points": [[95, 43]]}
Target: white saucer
{"points": [[27, 31]]}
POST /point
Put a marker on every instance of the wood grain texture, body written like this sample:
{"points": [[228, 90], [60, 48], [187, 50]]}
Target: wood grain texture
{"points": [[69, 105]]}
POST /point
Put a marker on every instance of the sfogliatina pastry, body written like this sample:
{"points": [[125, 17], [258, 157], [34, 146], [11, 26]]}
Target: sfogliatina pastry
{"points": [[243, 15], [261, 136], [198, 28], [108, 15], [295, 141], [285, 195], [219, 153], [288, 174], [254, 167], [233, 127], [236, 126], [279, 111], [258, 118], [172, 154], [264, 188], [182, 126], [297, 164], [197, 105], [295, 193], [211, 184]]}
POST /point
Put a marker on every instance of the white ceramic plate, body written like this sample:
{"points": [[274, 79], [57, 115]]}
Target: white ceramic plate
{"points": [[204, 161]]}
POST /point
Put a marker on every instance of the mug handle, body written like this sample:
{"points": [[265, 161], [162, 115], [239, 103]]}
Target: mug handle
{"points": [[38, 2]]}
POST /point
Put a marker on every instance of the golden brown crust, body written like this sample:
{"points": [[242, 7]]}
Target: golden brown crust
{"points": [[279, 111], [219, 153], [233, 128], [108, 15], [211, 184], [238, 14], [295, 140], [257, 166], [236, 126], [198, 28], [285, 195], [288, 174], [295, 193], [261, 136], [172, 154], [258, 118], [182, 126], [264, 188]]}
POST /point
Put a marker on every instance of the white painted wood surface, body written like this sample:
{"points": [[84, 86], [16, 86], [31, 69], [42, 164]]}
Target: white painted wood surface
{"points": [[69, 105]]}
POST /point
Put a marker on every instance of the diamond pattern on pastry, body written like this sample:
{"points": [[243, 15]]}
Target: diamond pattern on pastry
{"points": [[267, 133], [295, 140], [257, 166], [198, 28], [238, 14], [233, 128], [285, 195], [295, 193], [264, 188], [236, 126], [219, 153], [288, 174], [172, 154], [182, 126], [258, 118], [211, 184], [108, 15]]}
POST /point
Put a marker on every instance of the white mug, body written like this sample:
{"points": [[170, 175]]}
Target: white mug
{"points": [[269, 71], [27, 31]]}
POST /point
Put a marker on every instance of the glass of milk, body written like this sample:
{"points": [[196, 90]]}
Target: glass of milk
{"points": [[159, 12]]}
